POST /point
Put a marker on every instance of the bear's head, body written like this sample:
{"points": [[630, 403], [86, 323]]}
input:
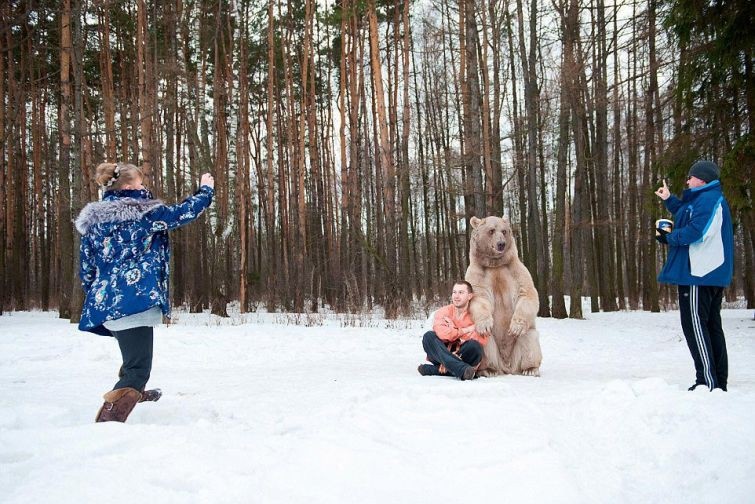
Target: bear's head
{"points": [[492, 242]]}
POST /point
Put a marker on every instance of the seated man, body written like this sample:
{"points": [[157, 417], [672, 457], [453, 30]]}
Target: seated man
{"points": [[453, 346]]}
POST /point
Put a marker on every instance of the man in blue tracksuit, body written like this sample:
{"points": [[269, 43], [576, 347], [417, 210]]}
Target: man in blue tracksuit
{"points": [[700, 262]]}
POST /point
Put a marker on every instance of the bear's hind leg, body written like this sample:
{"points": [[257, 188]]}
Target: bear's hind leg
{"points": [[492, 364], [527, 355]]}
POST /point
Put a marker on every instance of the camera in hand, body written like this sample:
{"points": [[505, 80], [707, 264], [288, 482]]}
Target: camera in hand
{"points": [[663, 226]]}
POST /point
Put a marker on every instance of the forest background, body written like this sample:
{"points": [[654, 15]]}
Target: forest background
{"points": [[352, 141]]}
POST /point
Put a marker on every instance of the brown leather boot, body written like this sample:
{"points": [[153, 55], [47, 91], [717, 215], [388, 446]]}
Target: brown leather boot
{"points": [[118, 405]]}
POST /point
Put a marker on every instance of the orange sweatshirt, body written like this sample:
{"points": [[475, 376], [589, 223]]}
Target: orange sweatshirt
{"points": [[450, 334]]}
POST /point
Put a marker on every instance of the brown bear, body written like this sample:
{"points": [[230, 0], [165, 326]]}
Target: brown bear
{"points": [[505, 301]]}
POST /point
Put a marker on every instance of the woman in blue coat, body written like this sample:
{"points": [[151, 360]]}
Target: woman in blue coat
{"points": [[700, 262], [125, 257]]}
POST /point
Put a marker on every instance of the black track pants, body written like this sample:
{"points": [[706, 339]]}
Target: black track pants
{"points": [[700, 308]]}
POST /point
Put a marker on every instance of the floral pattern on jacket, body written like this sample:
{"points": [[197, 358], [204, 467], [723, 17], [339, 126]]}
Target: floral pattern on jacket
{"points": [[125, 253]]}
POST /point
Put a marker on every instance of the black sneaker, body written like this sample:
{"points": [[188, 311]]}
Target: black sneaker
{"points": [[469, 373], [693, 387], [428, 370], [151, 395]]}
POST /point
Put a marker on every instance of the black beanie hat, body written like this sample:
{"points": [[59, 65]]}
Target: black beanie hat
{"points": [[707, 171]]}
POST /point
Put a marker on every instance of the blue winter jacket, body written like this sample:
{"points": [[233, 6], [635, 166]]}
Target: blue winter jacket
{"points": [[125, 253], [701, 245]]}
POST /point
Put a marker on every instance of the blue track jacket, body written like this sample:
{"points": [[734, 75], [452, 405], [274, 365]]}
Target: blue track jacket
{"points": [[701, 246]]}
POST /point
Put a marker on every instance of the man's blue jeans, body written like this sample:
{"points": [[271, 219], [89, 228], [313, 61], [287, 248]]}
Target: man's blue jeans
{"points": [[471, 354]]}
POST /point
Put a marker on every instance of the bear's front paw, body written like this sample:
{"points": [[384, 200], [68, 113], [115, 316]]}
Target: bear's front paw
{"points": [[485, 325], [518, 327]]}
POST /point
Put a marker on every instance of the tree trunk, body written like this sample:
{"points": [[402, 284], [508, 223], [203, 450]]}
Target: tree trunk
{"points": [[386, 164], [106, 81], [519, 168], [648, 244], [473, 190], [219, 269], [632, 216], [492, 189], [65, 230], [268, 196], [4, 28], [571, 34], [558, 270], [80, 194], [604, 242], [531, 98], [404, 244], [143, 67], [618, 194]]}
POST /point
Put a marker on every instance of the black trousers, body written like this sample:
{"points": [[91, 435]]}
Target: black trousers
{"points": [[136, 350], [470, 351], [700, 308]]}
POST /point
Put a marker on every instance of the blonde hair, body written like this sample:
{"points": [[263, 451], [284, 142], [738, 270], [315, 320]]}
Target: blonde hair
{"points": [[113, 176]]}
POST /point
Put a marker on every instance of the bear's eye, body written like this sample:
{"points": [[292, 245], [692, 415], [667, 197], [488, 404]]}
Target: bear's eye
{"points": [[505, 232], [491, 232]]}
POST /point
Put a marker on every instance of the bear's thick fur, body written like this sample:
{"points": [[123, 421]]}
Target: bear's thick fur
{"points": [[505, 301]]}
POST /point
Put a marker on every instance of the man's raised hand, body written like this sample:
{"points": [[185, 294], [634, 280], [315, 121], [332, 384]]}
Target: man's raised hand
{"points": [[663, 191]]}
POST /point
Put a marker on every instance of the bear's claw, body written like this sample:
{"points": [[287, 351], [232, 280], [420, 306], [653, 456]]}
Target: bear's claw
{"points": [[517, 328], [485, 325]]}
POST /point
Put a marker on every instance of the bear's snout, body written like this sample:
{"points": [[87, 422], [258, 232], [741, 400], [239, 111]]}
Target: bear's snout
{"points": [[500, 246]]}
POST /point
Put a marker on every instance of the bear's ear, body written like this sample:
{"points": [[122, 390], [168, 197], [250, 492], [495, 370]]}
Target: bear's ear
{"points": [[505, 220], [475, 222]]}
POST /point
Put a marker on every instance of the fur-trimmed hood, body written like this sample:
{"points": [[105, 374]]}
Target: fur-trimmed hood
{"points": [[113, 210]]}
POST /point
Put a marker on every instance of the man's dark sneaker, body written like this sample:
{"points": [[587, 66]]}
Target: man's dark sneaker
{"points": [[693, 387], [428, 370], [468, 373], [151, 395]]}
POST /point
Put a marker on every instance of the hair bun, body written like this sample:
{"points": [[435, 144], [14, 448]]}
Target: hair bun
{"points": [[106, 174]]}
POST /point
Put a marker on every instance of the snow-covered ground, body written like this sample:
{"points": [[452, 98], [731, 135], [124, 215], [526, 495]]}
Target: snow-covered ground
{"points": [[269, 412]]}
